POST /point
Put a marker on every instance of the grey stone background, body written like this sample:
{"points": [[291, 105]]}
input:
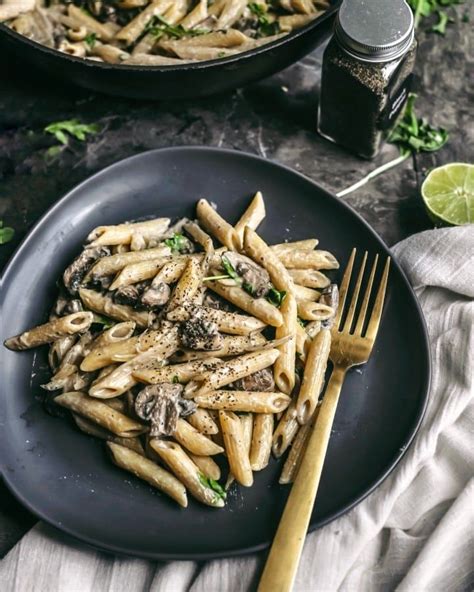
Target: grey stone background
{"points": [[275, 118]]}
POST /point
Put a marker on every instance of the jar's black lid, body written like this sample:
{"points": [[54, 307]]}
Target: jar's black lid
{"points": [[375, 30]]}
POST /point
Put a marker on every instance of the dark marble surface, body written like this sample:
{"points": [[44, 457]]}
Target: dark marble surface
{"points": [[275, 118]]}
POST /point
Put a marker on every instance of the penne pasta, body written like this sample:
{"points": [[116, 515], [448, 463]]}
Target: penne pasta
{"points": [[106, 306], [216, 225], [284, 369], [187, 285], [103, 32], [246, 422], [252, 217], [201, 237], [203, 421], [305, 245], [148, 471], [156, 373], [303, 341], [299, 259], [260, 252], [192, 439], [244, 401], [121, 379], [257, 307], [138, 272], [231, 346], [92, 429], [303, 294], [313, 377], [114, 263], [310, 278], [235, 369], [235, 447], [285, 431], [261, 445], [136, 26], [100, 413], [315, 311], [188, 473], [227, 322], [71, 324], [207, 466]]}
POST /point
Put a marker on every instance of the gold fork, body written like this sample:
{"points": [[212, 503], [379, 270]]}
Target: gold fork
{"points": [[350, 347]]}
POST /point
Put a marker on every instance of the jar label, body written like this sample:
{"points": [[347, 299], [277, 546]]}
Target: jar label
{"points": [[395, 103]]}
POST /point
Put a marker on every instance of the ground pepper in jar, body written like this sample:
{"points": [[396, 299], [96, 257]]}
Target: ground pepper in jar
{"points": [[367, 72]]}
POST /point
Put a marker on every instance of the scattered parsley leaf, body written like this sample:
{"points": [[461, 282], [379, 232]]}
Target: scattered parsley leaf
{"points": [[443, 20], [301, 322], [90, 39], [54, 151], [177, 242], [426, 8], [100, 320], [265, 27], [62, 130], [6, 233], [411, 134], [248, 288], [214, 485], [175, 379], [276, 297], [414, 134], [158, 27], [229, 268], [221, 54]]}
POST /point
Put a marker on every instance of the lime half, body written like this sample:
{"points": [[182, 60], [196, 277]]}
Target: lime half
{"points": [[448, 192]]}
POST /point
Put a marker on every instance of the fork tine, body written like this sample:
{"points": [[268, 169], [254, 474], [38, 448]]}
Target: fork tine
{"points": [[365, 302], [378, 305], [355, 296], [343, 288]]}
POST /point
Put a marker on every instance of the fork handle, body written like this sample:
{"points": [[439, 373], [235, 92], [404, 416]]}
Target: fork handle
{"points": [[282, 562]]}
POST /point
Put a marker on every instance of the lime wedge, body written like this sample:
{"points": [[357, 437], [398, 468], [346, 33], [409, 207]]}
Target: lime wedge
{"points": [[448, 193]]}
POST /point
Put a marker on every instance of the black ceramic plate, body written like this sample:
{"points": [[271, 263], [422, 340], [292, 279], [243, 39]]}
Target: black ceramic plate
{"points": [[64, 476]]}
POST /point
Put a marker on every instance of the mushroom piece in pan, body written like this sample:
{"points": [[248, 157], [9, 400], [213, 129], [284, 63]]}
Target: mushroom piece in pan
{"points": [[198, 333], [78, 269], [260, 381], [255, 279], [162, 405]]}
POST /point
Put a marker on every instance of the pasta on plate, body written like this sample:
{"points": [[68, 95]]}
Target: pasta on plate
{"points": [[157, 32], [184, 344]]}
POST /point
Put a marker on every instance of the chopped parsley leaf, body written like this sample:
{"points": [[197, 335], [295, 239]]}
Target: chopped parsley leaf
{"points": [[177, 242], [214, 485], [276, 297]]}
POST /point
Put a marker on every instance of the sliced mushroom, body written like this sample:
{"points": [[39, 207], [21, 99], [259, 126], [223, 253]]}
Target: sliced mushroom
{"points": [[156, 296], [162, 405], [78, 269], [259, 381], [254, 278], [198, 333]]}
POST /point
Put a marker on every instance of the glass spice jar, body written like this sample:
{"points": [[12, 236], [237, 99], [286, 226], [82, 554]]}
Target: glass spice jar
{"points": [[366, 74]]}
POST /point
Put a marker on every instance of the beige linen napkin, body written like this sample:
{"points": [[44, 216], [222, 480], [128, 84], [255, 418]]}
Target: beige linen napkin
{"points": [[415, 533]]}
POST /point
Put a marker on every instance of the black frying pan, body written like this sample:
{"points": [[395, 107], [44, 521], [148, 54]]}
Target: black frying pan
{"points": [[170, 82]]}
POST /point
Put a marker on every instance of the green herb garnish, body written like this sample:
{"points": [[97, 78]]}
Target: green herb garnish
{"points": [[426, 8], [177, 242], [214, 485], [265, 27], [230, 270], [224, 276], [6, 233], [158, 27], [100, 320], [90, 39], [411, 134], [276, 297], [175, 379], [62, 130], [301, 322]]}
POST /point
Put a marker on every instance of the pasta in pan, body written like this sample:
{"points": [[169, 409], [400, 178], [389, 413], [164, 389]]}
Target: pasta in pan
{"points": [[191, 348], [157, 32]]}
